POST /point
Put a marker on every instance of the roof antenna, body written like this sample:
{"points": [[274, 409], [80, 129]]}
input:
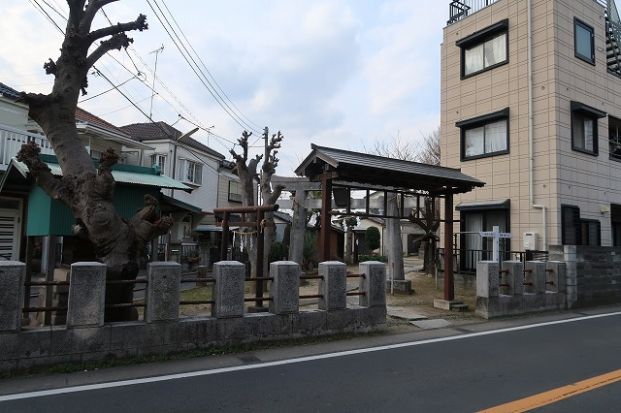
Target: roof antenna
{"points": [[157, 52]]}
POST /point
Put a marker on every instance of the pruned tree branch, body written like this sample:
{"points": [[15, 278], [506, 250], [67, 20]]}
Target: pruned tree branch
{"points": [[53, 186], [87, 16], [147, 224], [115, 42], [139, 24]]}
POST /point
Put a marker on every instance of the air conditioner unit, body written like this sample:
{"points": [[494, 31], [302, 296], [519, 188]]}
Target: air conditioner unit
{"points": [[529, 241]]}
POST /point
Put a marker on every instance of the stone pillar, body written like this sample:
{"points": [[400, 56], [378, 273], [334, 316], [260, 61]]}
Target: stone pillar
{"points": [[87, 295], [570, 258], [285, 288], [333, 285], [12, 277], [372, 284], [229, 289], [535, 274], [487, 279], [514, 276], [163, 284], [556, 277]]}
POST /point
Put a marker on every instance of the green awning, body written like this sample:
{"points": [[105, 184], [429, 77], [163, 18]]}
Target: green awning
{"points": [[127, 174]]}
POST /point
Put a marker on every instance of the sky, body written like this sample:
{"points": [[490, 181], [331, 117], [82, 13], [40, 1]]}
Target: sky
{"points": [[344, 74]]}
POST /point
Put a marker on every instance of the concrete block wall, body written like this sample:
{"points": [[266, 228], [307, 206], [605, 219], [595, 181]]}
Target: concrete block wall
{"points": [[86, 338], [593, 273], [515, 288]]}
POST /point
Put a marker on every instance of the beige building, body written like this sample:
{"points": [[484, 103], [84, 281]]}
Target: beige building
{"points": [[531, 104]]}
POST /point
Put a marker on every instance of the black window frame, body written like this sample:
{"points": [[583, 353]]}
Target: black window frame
{"points": [[578, 224], [480, 37], [477, 122], [585, 111], [590, 60]]}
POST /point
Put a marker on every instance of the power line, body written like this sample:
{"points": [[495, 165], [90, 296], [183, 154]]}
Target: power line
{"points": [[135, 76], [205, 66], [196, 69]]}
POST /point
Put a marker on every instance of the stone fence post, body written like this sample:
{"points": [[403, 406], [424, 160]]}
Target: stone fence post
{"points": [[12, 277], [163, 290], [513, 275], [285, 288], [372, 284], [229, 289], [333, 285], [535, 276], [87, 295], [488, 277]]}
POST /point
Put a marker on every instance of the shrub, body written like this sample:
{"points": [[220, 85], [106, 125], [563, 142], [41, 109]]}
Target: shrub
{"points": [[372, 257], [372, 237]]}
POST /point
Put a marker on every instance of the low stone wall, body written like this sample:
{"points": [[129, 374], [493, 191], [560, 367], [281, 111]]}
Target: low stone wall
{"points": [[518, 288], [593, 273], [87, 338]]}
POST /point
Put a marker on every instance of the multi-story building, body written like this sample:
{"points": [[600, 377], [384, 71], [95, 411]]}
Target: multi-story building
{"points": [[531, 104]]}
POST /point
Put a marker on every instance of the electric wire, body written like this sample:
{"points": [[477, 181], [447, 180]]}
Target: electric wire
{"points": [[205, 66], [189, 60], [124, 95]]}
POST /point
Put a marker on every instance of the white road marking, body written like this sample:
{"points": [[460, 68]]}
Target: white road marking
{"points": [[132, 382]]}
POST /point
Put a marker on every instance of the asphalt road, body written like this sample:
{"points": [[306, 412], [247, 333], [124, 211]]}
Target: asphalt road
{"points": [[463, 373]]}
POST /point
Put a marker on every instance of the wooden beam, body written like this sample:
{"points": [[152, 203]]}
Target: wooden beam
{"points": [[449, 290], [326, 206]]}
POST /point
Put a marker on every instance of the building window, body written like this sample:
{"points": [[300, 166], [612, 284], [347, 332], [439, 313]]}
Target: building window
{"points": [[577, 231], [486, 135], [485, 49], [190, 172], [584, 128], [584, 42], [234, 192], [95, 155], [614, 138], [160, 161]]}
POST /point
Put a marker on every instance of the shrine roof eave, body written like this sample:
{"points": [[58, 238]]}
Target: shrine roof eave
{"points": [[348, 166]]}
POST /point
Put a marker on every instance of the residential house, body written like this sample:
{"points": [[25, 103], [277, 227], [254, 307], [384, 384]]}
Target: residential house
{"points": [[531, 104], [214, 184]]}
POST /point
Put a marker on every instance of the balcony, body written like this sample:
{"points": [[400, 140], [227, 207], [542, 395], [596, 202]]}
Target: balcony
{"points": [[459, 9], [11, 141]]}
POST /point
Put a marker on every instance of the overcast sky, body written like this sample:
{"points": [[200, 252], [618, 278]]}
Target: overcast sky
{"points": [[336, 73]]}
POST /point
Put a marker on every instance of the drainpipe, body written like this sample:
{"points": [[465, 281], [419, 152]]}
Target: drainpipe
{"points": [[531, 194]]}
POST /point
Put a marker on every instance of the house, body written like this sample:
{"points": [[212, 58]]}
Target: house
{"points": [[25, 210], [531, 104], [181, 157]]}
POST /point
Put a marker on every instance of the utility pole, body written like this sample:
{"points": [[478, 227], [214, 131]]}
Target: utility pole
{"points": [[157, 52]]}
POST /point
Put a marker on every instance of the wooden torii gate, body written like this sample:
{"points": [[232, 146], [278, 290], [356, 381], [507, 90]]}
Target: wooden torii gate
{"points": [[348, 170]]}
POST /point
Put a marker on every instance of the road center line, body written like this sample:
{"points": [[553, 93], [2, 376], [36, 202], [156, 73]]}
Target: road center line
{"points": [[556, 395], [155, 379]]}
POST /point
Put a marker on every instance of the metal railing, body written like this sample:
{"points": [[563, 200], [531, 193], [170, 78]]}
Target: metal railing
{"points": [[465, 260], [459, 9], [11, 141]]}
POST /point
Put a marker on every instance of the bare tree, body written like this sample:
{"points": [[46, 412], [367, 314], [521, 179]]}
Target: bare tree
{"points": [[86, 190], [247, 170], [430, 152]]}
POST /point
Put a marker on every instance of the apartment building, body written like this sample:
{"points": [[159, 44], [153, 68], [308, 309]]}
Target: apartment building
{"points": [[531, 105]]}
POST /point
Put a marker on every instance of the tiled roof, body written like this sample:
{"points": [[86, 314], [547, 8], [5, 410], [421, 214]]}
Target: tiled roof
{"points": [[378, 170], [8, 92], [162, 130], [83, 116]]}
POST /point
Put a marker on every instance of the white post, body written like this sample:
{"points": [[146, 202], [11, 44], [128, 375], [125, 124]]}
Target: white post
{"points": [[496, 244]]}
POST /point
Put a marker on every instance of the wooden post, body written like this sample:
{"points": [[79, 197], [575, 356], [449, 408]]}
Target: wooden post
{"points": [[224, 243], [326, 206], [49, 276], [449, 293]]}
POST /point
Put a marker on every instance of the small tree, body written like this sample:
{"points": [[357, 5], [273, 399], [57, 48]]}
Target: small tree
{"points": [[372, 238], [86, 189], [430, 224]]}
